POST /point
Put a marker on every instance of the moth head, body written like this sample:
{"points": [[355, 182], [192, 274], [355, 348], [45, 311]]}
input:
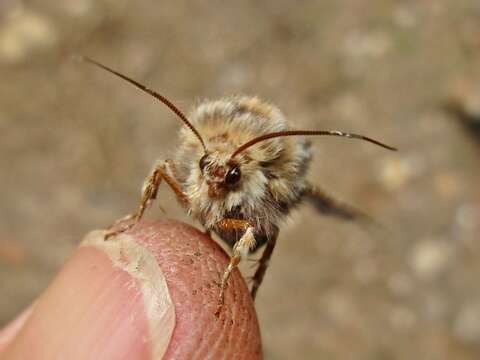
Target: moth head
{"points": [[221, 174]]}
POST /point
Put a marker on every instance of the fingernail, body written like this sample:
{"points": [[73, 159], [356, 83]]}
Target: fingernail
{"points": [[135, 259], [110, 301]]}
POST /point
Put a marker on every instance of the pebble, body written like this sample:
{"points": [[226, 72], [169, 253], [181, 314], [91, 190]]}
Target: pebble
{"points": [[430, 257], [372, 44], [396, 172], [22, 32]]}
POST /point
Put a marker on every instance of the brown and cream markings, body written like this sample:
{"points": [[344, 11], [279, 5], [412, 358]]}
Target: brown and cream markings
{"points": [[239, 169]]}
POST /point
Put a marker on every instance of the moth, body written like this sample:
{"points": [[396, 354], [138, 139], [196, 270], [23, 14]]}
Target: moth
{"points": [[239, 170]]}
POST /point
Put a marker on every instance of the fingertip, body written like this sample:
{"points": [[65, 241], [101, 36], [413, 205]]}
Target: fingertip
{"points": [[149, 293], [8, 333], [193, 265], [97, 308]]}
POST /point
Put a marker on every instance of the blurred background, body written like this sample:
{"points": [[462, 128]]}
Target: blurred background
{"points": [[76, 144]]}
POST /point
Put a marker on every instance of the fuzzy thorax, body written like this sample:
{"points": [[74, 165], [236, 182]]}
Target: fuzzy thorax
{"points": [[272, 172]]}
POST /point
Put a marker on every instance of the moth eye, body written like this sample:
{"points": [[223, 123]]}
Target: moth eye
{"points": [[203, 162], [233, 175]]}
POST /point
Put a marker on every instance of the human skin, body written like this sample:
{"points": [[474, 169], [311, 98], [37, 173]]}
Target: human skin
{"points": [[148, 294]]}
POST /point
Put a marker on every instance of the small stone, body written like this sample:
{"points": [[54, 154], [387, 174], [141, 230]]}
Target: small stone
{"points": [[22, 32], [395, 172], [430, 257], [373, 44]]}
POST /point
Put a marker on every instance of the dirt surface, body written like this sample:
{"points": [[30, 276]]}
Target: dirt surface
{"points": [[75, 145]]}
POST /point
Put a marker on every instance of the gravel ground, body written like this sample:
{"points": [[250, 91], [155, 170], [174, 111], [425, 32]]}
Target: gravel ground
{"points": [[75, 145]]}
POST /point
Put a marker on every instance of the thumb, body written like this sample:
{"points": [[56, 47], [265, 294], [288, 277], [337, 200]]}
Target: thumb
{"points": [[147, 294]]}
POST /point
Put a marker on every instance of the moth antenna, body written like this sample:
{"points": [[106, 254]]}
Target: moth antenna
{"points": [[151, 92], [308, 133]]}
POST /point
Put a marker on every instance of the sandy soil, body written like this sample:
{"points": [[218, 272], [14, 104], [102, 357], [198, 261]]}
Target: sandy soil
{"points": [[75, 145]]}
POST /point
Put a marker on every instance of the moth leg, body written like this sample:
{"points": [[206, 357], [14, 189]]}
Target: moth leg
{"points": [[169, 174], [240, 250], [263, 265], [149, 193], [121, 220], [327, 205], [172, 169]]}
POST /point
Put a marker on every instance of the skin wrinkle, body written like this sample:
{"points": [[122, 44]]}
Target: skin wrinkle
{"points": [[203, 350], [228, 337], [104, 292], [217, 269], [207, 340], [115, 327]]}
